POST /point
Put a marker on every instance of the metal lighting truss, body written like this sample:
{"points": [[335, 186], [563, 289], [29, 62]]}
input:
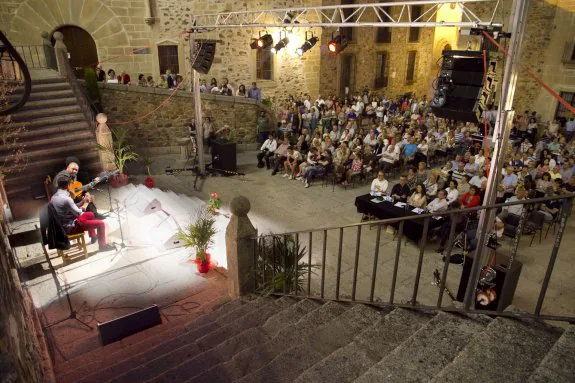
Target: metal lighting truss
{"points": [[347, 15]]}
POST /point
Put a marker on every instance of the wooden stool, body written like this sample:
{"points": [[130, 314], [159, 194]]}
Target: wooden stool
{"points": [[77, 248]]}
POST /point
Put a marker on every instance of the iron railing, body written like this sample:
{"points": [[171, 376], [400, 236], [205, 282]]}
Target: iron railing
{"points": [[283, 262], [14, 74], [84, 102], [38, 56]]}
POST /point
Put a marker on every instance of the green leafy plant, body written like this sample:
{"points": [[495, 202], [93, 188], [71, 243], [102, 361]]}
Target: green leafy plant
{"points": [[277, 257], [199, 235], [214, 204], [148, 161], [120, 149], [92, 89]]}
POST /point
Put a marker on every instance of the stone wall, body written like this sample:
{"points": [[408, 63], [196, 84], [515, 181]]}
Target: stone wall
{"points": [[21, 358], [163, 127]]}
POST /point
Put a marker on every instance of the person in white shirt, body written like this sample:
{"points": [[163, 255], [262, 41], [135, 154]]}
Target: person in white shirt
{"points": [[452, 192], [291, 163], [480, 159], [438, 204], [379, 185], [266, 151], [370, 139], [477, 180]]}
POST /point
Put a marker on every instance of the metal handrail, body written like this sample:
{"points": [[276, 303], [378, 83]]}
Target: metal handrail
{"points": [[83, 100], [263, 264], [529, 201], [14, 56]]}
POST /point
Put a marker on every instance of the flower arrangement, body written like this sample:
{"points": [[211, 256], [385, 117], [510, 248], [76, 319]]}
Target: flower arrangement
{"points": [[214, 204]]}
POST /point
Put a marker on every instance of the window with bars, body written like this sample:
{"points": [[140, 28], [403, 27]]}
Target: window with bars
{"points": [[264, 64], [416, 11], [168, 56], [562, 112], [381, 70], [411, 61], [383, 33]]}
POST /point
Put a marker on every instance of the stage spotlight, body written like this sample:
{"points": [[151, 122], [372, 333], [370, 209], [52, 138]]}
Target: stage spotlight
{"points": [[309, 43], [337, 44], [281, 44], [264, 42]]}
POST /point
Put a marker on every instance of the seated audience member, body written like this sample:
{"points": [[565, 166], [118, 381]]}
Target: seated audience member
{"points": [[463, 185], [124, 78], [555, 173], [311, 160], [266, 151], [142, 80], [452, 192], [379, 185], [439, 204], [409, 150], [100, 74], [319, 169], [356, 167], [510, 215], [280, 155], [112, 76], [570, 186], [477, 180], [431, 186], [242, 92], [411, 178], [471, 198], [74, 220], [550, 208], [150, 82], [422, 175], [293, 159], [389, 157], [460, 224], [471, 168], [457, 172], [400, 191], [418, 198]]}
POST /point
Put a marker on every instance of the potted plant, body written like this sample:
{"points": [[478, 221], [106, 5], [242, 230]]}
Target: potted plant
{"points": [[199, 235], [121, 153], [149, 181]]}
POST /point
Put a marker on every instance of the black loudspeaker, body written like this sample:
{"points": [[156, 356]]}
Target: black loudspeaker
{"points": [[204, 56], [127, 325], [224, 157], [463, 88], [505, 284]]}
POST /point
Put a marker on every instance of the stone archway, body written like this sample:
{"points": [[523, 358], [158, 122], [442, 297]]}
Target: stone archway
{"points": [[81, 46]]}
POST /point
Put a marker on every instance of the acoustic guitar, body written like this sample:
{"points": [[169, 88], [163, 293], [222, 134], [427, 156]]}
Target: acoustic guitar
{"points": [[76, 188]]}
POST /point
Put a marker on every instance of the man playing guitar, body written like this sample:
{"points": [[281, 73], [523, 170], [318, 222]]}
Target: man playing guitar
{"points": [[80, 198]]}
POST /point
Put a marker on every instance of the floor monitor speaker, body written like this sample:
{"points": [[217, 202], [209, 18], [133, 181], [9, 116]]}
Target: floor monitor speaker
{"points": [[119, 328]]}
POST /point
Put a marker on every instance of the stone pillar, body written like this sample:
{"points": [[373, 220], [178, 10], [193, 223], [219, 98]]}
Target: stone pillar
{"points": [[149, 19], [105, 140], [61, 52], [240, 247]]}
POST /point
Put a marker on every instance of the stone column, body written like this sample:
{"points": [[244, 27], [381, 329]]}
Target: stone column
{"points": [[149, 19], [61, 52], [104, 138], [240, 247]]}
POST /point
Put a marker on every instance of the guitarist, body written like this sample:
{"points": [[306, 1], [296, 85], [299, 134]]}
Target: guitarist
{"points": [[71, 171]]}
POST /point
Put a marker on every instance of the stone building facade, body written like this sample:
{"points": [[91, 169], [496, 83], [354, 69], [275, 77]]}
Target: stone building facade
{"points": [[120, 26]]}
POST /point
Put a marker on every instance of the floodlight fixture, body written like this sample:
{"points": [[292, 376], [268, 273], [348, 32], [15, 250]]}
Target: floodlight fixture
{"points": [[307, 45], [281, 44], [337, 44], [262, 42]]}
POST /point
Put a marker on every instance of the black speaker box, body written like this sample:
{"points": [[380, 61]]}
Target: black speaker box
{"points": [[224, 157], [205, 53], [505, 283], [117, 329]]}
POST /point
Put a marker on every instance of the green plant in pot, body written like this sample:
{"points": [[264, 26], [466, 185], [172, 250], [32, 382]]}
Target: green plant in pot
{"points": [[121, 153], [280, 265], [199, 235]]}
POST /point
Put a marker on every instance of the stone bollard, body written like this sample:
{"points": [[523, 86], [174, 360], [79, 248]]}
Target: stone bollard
{"points": [[104, 138], [240, 246], [61, 52]]}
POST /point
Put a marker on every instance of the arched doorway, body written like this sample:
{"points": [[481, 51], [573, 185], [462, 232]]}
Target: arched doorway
{"points": [[81, 47]]}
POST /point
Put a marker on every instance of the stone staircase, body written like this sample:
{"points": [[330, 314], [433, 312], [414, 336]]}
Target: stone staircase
{"points": [[268, 339], [55, 129]]}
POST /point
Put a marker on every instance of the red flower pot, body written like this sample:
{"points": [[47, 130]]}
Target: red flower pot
{"points": [[123, 179], [149, 182], [203, 267], [114, 182]]}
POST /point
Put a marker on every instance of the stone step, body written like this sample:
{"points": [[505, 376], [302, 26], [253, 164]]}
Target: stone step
{"points": [[49, 103], [47, 85], [111, 361], [509, 350], [49, 80], [54, 131], [426, 352], [70, 138], [323, 341], [259, 355], [29, 115], [368, 348], [34, 156], [39, 123], [51, 94], [557, 366], [256, 317]]}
